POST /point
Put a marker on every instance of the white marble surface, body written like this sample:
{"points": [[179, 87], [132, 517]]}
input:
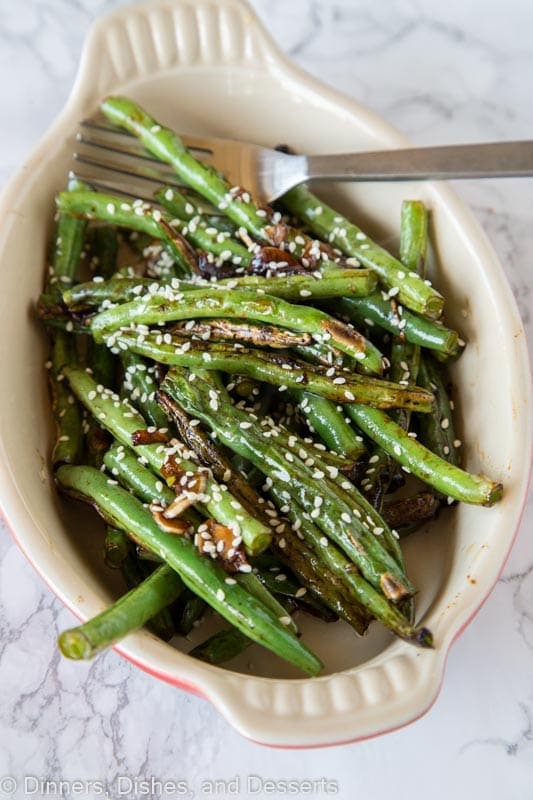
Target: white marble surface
{"points": [[441, 72]]}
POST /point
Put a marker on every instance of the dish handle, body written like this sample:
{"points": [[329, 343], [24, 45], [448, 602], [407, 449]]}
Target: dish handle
{"points": [[156, 36]]}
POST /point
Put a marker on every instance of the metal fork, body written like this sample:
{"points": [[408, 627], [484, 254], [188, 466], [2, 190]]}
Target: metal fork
{"points": [[107, 157]]}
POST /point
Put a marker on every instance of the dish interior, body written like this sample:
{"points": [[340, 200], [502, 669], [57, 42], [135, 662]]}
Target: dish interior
{"points": [[444, 558]]}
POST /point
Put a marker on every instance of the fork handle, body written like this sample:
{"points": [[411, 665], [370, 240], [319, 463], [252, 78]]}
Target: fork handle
{"points": [[490, 160]]}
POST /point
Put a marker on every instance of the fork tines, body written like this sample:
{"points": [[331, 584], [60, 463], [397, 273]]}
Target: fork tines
{"points": [[114, 161]]}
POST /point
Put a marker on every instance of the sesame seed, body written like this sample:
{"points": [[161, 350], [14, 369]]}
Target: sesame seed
{"points": [[285, 620], [323, 541], [220, 594], [445, 423], [300, 592], [397, 450], [230, 581]]}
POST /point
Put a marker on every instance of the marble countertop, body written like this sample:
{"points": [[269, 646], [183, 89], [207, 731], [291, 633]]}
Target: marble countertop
{"points": [[441, 72]]}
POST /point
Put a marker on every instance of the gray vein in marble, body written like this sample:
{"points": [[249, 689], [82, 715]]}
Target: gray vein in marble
{"points": [[511, 747]]}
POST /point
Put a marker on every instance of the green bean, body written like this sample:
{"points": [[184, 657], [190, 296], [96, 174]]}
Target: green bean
{"points": [[405, 364], [221, 647], [195, 437], [201, 231], [359, 590], [67, 413], [415, 458], [135, 572], [255, 587], [104, 243], [208, 182], [437, 432], [279, 583], [337, 386], [138, 216], [192, 609], [117, 547], [411, 510], [122, 420], [411, 290], [378, 474], [126, 615], [382, 472], [173, 305], [125, 466], [355, 537], [302, 287], [374, 309], [68, 245], [330, 425], [167, 146], [118, 289], [140, 387], [414, 236], [309, 568], [197, 572], [298, 288]]}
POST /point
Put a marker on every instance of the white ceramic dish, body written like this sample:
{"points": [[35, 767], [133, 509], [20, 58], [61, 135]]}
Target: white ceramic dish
{"points": [[208, 67]]}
